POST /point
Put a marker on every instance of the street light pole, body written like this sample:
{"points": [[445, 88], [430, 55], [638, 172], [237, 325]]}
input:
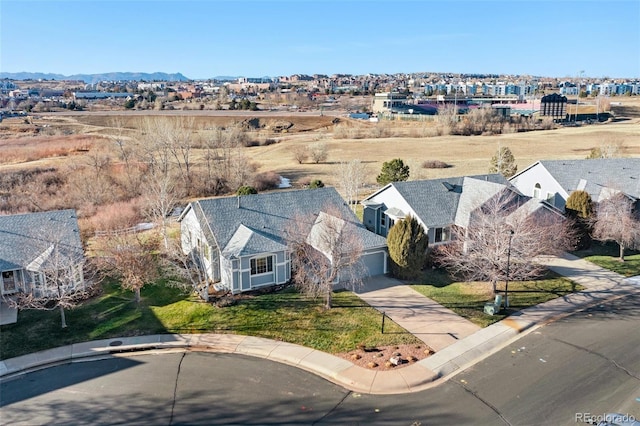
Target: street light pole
{"points": [[506, 284]]}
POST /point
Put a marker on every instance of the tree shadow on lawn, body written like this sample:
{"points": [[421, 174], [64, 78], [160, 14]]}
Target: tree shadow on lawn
{"points": [[608, 248], [112, 313], [438, 277]]}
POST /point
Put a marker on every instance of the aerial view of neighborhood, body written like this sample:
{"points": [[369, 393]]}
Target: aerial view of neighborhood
{"points": [[237, 244]]}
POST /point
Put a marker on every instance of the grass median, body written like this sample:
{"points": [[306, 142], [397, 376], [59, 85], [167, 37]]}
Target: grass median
{"points": [[467, 299], [285, 315]]}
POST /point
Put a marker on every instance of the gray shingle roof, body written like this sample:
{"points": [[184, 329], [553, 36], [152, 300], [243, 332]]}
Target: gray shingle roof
{"points": [[622, 174], [436, 201], [265, 218], [24, 237], [247, 241]]}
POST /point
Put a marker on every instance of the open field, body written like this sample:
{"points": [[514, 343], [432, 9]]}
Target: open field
{"points": [[467, 154]]}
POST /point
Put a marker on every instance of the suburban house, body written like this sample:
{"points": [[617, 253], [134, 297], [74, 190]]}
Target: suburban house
{"points": [[555, 180], [40, 254], [438, 204], [241, 242]]}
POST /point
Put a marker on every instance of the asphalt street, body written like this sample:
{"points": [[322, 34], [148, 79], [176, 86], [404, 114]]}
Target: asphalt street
{"points": [[584, 364]]}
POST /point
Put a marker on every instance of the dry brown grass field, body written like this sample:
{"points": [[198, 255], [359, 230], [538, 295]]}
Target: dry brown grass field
{"points": [[54, 139]]}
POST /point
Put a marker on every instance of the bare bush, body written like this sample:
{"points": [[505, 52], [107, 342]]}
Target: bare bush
{"points": [[118, 215], [266, 180], [380, 130], [36, 189], [479, 121], [435, 164], [340, 131], [610, 148], [547, 123]]}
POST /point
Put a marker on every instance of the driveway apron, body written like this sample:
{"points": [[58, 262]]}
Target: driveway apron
{"points": [[435, 325]]}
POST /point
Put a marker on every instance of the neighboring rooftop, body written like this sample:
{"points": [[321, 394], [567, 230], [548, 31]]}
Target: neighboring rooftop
{"points": [[621, 174], [25, 237], [440, 202]]}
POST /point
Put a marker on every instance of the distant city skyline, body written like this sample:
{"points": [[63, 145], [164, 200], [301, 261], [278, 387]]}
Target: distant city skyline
{"points": [[207, 38]]}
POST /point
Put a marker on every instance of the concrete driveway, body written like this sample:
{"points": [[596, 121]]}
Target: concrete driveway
{"points": [[429, 321]]}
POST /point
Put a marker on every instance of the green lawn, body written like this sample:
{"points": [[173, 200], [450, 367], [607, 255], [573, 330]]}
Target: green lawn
{"points": [[606, 255], [285, 315], [468, 299]]}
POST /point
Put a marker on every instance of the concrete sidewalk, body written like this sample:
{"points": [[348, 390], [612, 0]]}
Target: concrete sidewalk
{"points": [[599, 284], [337, 370], [435, 325]]}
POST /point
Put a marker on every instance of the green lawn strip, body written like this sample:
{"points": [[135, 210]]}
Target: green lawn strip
{"points": [[606, 256], [468, 299], [285, 315], [629, 268]]}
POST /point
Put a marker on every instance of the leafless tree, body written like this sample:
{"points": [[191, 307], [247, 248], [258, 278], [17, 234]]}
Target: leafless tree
{"points": [[159, 152], [300, 153], [187, 271], [325, 250], [318, 152], [610, 148], [132, 169], [351, 177], [59, 278], [505, 230], [130, 258], [447, 119], [221, 97], [617, 221]]}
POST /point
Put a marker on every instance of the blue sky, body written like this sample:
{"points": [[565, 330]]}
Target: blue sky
{"points": [[207, 38]]}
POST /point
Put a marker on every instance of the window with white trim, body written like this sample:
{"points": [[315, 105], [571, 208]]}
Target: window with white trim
{"points": [[261, 265], [9, 281], [442, 235]]}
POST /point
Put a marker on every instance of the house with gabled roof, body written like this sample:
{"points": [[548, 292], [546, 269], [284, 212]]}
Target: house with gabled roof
{"points": [[555, 180], [241, 242], [438, 204], [39, 252]]}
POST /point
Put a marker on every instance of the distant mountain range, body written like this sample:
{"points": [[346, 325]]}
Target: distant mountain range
{"points": [[94, 78]]}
